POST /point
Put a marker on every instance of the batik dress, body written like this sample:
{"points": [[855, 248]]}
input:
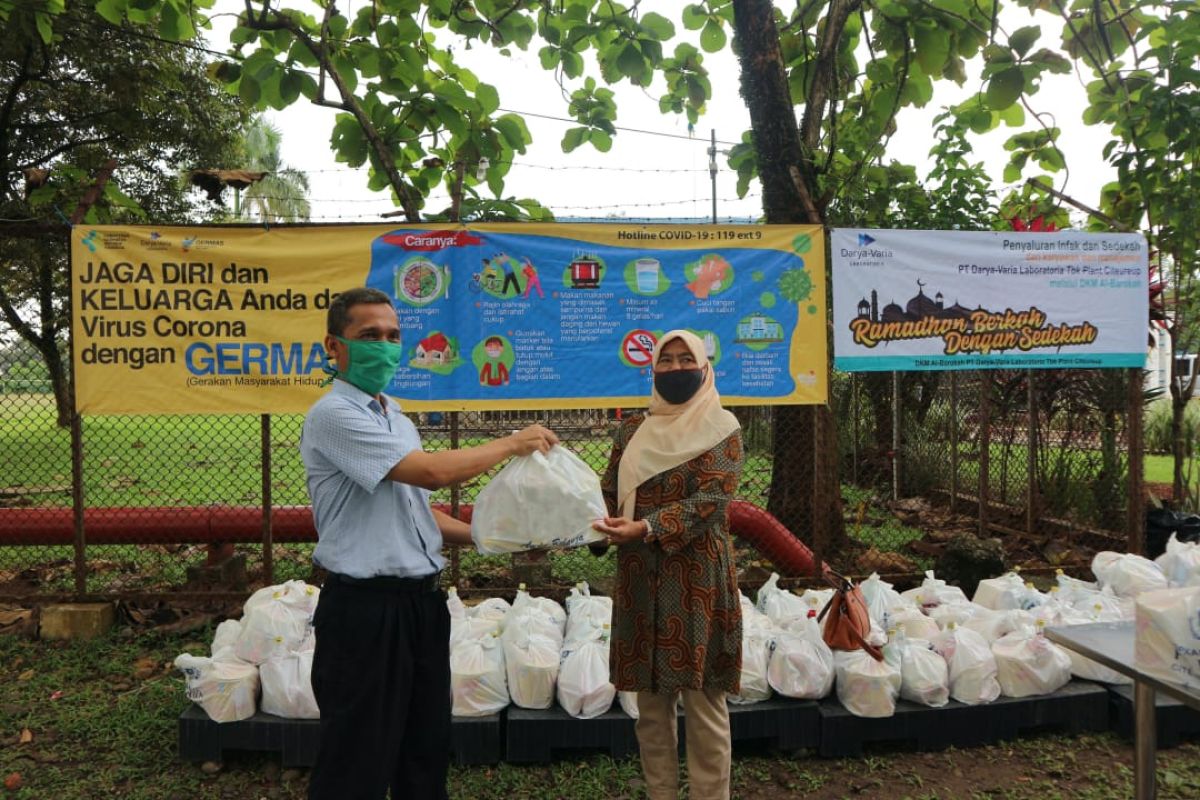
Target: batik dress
{"points": [[677, 617]]}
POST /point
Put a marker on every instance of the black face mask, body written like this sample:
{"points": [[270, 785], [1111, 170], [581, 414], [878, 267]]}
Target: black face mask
{"points": [[678, 385]]}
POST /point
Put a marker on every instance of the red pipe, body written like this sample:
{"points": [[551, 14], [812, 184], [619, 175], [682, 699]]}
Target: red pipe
{"points": [[220, 524]]}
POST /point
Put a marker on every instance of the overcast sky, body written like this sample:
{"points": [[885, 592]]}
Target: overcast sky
{"points": [[655, 169]]}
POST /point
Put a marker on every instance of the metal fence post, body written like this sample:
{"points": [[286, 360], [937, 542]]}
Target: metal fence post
{"points": [[268, 541], [985, 447], [77, 503], [1134, 512], [1031, 442], [895, 436], [953, 440]]}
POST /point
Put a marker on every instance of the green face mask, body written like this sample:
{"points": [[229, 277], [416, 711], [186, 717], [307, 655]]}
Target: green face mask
{"points": [[372, 364]]}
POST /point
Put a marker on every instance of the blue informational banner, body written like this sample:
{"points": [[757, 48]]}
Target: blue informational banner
{"points": [[533, 315]]}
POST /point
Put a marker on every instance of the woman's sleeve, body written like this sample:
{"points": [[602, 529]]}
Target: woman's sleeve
{"points": [[712, 481]]}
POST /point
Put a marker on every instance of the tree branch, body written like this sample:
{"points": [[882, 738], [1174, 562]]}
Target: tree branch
{"points": [[350, 105]]}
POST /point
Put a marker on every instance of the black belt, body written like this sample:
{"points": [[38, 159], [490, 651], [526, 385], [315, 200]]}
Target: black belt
{"points": [[389, 583]]}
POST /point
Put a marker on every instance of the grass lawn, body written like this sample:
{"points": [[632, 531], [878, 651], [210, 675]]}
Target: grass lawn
{"points": [[97, 719]]}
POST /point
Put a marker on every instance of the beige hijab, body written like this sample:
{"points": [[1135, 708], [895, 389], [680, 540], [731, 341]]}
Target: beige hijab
{"points": [[673, 434]]}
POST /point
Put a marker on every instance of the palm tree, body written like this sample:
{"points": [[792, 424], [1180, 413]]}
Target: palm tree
{"points": [[281, 195]]}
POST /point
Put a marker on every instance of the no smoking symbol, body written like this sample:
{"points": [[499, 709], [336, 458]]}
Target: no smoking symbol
{"points": [[639, 347]]}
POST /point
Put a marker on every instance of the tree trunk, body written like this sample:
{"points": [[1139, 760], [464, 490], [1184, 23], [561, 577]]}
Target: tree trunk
{"points": [[805, 491], [1178, 446], [59, 381]]}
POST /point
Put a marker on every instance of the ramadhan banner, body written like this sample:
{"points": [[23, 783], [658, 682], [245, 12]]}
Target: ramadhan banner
{"points": [[493, 316], [938, 300]]}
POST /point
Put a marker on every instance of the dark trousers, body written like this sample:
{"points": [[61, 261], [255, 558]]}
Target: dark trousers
{"points": [[381, 677]]}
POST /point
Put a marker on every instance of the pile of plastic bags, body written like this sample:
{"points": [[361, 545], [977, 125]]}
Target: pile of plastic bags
{"points": [[269, 650]]}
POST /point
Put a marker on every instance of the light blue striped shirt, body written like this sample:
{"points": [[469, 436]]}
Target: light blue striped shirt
{"points": [[366, 524]]}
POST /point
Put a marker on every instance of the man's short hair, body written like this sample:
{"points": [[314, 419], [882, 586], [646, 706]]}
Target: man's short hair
{"points": [[339, 310], [496, 340]]}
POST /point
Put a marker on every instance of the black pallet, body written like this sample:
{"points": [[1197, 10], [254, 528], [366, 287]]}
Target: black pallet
{"points": [[201, 739], [533, 735], [1077, 707], [783, 723], [1173, 721], [475, 740]]}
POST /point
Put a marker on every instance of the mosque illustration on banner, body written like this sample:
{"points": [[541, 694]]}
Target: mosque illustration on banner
{"points": [[917, 308]]}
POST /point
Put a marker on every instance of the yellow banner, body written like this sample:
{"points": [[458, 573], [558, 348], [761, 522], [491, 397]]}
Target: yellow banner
{"points": [[183, 320]]}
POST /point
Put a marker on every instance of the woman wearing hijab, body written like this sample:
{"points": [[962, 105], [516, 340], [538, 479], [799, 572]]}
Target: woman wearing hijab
{"points": [[677, 623]]}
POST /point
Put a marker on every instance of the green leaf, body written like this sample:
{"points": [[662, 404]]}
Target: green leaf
{"points": [[600, 140], [997, 54], [289, 87], [712, 38], [1005, 88], [694, 17], [658, 26], [1024, 39], [549, 56], [513, 129], [249, 90], [933, 48], [573, 138], [44, 27], [1013, 116], [488, 98], [630, 62], [111, 10], [348, 140], [346, 70]]}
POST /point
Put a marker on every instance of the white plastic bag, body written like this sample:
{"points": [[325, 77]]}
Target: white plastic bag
{"points": [[226, 690], [915, 624], [276, 626], [539, 615], [225, 638], [1028, 664], [756, 657], [778, 604], [628, 701], [1180, 562], [287, 686], [584, 690], [495, 608], [934, 591], [586, 613], [531, 663], [1006, 593], [801, 664], [992, 625], [1128, 575], [1167, 638], [972, 667], [881, 599], [478, 681], [538, 501], [866, 687], [924, 676]]}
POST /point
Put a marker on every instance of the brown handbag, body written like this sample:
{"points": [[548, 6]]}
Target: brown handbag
{"points": [[849, 622]]}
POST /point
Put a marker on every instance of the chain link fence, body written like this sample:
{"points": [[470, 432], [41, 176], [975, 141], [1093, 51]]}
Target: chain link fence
{"points": [[1040, 459]]}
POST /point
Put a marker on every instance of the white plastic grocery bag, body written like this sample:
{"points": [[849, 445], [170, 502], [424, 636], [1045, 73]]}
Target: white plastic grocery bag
{"points": [[1181, 562], [226, 690], [866, 687], [538, 501], [225, 638], [801, 663], [1028, 664], [531, 662], [478, 681], [1127, 574], [586, 614], [971, 665], [287, 686], [778, 604], [1167, 638], [273, 629], [584, 690], [756, 657]]}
